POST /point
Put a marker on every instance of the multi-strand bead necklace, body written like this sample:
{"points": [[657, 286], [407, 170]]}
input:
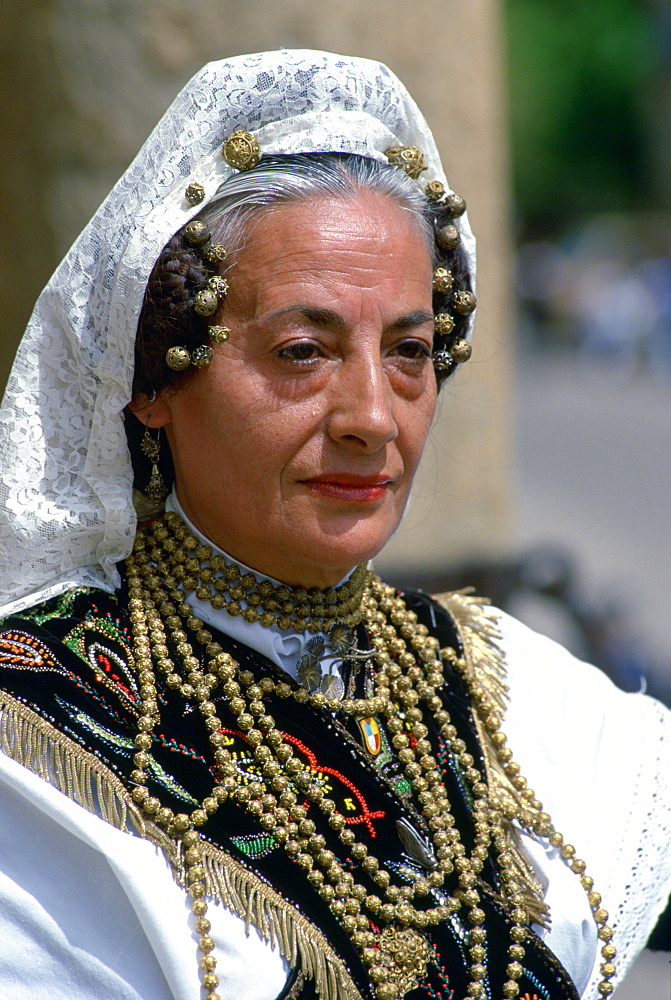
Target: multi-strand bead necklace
{"points": [[167, 560]]}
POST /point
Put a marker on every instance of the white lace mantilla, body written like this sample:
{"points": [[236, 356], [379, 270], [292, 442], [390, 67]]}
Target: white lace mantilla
{"points": [[65, 487]]}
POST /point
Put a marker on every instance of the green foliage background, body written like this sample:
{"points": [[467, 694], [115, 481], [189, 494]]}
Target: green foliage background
{"points": [[579, 72]]}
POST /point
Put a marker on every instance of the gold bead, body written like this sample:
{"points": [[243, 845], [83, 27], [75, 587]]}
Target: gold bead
{"points": [[442, 361], [514, 970], [205, 302], [448, 237], [461, 351], [215, 253], [194, 194], [196, 233], [443, 324], [178, 358], [241, 150], [463, 302], [510, 988], [442, 280], [434, 190], [456, 204], [219, 334]]}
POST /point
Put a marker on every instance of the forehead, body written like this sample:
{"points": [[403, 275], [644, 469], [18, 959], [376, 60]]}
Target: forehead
{"points": [[366, 240]]}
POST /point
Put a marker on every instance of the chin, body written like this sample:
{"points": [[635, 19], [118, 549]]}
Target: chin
{"points": [[342, 555]]}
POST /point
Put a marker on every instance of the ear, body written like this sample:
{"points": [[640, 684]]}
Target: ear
{"points": [[152, 413]]}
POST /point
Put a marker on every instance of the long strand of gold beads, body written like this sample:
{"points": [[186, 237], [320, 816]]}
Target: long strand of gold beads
{"points": [[401, 684]]}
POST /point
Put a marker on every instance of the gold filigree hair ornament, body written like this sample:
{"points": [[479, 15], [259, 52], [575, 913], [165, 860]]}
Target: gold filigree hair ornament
{"points": [[241, 150], [206, 301], [409, 159]]}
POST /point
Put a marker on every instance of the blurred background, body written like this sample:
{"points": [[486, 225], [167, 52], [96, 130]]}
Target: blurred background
{"points": [[547, 481]]}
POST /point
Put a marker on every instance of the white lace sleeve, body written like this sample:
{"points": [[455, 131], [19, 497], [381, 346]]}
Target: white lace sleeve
{"points": [[600, 761]]}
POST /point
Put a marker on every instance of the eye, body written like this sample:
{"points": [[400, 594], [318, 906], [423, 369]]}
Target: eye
{"points": [[301, 351], [413, 350]]}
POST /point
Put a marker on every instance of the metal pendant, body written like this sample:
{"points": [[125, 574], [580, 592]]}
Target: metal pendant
{"points": [[333, 686], [308, 668], [404, 956], [415, 845]]}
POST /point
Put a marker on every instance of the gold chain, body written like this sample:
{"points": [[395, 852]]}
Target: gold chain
{"points": [[409, 674]]}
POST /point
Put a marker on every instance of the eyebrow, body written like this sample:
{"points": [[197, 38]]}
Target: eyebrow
{"points": [[333, 320]]}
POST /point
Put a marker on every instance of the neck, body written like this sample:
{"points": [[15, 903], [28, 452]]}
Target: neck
{"points": [[323, 578]]}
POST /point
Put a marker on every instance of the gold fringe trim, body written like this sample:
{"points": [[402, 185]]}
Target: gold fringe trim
{"points": [[278, 922], [484, 658], [41, 748]]}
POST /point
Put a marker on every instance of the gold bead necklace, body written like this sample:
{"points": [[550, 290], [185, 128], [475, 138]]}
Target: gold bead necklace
{"points": [[409, 674]]}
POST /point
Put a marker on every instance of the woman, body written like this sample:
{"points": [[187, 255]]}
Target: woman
{"points": [[267, 774]]}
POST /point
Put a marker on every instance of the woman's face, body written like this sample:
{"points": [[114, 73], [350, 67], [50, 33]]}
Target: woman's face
{"points": [[295, 449]]}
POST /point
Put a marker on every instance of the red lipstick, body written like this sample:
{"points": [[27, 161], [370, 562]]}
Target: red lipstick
{"points": [[346, 486]]}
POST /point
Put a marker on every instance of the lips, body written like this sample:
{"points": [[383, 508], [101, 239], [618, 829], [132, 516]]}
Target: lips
{"points": [[347, 486]]}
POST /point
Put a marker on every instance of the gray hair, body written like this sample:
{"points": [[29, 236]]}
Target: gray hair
{"points": [[301, 177]]}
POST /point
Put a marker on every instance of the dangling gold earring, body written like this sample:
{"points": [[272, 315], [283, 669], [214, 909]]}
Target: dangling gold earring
{"points": [[156, 489]]}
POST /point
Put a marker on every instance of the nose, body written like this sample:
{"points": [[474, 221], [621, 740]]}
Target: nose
{"points": [[362, 405]]}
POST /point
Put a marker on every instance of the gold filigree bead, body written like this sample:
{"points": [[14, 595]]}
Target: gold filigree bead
{"points": [[455, 204], [442, 361], [201, 356], [461, 351], [434, 190], [241, 150], [216, 253], [196, 233], [194, 194], [218, 285], [218, 334], [442, 280], [443, 324], [463, 302], [178, 358], [448, 236], [205, 302], [409, 159]]}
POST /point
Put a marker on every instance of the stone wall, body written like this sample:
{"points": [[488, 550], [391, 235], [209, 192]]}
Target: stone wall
{"points": [[83, 82]]}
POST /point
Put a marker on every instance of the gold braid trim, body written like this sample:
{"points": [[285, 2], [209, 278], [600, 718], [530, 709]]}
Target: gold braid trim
{"points": [[478, 630], [85, 779]]}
